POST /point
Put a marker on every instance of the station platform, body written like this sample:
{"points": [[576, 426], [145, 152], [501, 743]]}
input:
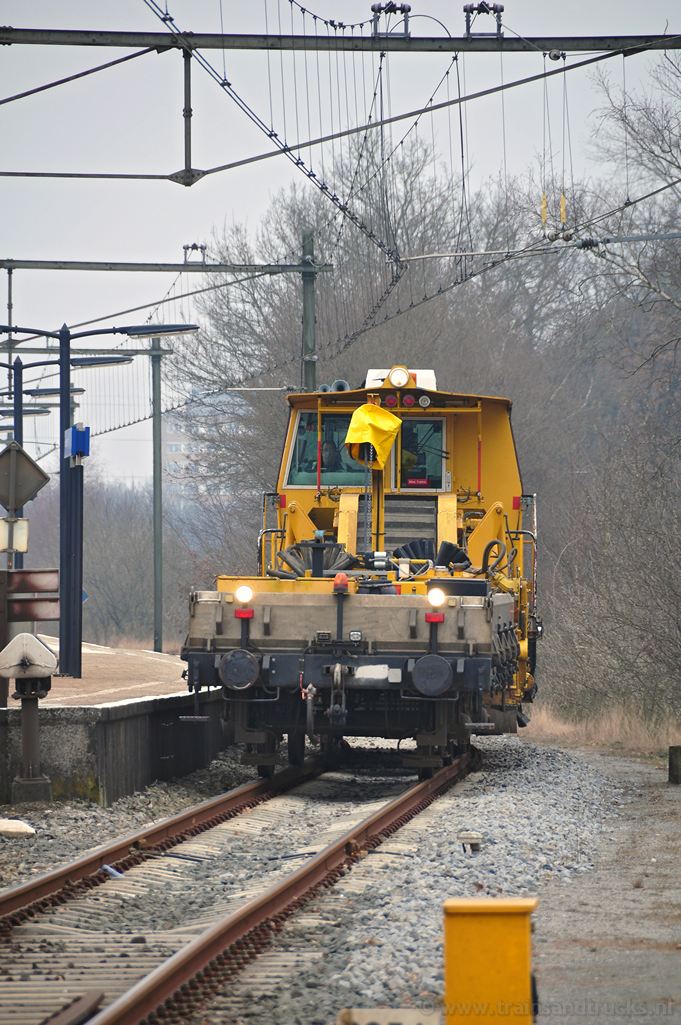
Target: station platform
{"points": [[115, 674], [127, 722]]}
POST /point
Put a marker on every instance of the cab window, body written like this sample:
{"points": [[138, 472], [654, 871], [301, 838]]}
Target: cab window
{"points": [[422, 455], [337, 466]]}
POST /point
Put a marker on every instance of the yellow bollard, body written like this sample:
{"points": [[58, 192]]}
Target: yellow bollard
{"points": [[488, 960]]}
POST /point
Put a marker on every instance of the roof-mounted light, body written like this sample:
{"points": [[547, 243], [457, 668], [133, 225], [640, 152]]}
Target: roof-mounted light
{"points": [[399, 377]]}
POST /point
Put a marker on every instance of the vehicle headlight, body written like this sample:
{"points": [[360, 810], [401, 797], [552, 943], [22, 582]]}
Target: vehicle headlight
{"points": [[399, 377], [244, 594], [436, 597]]}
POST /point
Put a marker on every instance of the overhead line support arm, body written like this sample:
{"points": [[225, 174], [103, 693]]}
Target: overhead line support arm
{"points": [[10, 36], [173, 268]]}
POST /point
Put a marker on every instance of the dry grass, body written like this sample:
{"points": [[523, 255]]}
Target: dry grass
{"points": [[617, 729]]}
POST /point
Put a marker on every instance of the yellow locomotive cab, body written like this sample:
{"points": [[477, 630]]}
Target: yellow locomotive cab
{"points": [[395, 594]]}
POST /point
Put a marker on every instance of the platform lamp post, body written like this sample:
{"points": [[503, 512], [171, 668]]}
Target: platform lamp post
{"points": [[71, 480]]}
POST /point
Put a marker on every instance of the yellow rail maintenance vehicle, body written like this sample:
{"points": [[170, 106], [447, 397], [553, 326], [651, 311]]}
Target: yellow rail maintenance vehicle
{"points": [[396, 589]]}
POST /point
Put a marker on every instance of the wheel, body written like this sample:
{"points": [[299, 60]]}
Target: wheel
{"points": [[425, 772], [296, 747], [265, 771]]}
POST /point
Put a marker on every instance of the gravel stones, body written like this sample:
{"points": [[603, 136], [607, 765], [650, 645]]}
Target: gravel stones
{"points": [[207, 876], [374, 939], [542, 814], [64, 831]]}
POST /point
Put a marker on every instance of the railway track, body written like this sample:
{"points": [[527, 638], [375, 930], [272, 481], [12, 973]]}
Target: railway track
{"points": [[19, 902], [123, 946]]}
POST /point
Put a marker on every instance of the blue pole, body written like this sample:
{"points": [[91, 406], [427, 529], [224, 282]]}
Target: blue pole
{"points": [[65, 555], [18, 389]]}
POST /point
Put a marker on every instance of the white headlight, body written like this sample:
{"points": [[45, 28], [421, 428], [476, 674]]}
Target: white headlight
{"points": [[436, 597], [244, 594], [399, 377], [424, 401]]}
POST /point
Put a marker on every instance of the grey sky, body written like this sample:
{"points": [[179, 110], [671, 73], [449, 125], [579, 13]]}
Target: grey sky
{"points": [[129, 119]]}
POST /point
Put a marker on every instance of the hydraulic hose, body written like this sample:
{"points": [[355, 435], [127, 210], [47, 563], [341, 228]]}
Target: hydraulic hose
{"points": [[485, 567]]}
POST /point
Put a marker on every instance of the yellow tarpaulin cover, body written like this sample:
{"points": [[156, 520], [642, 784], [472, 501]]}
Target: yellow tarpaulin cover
{"points": [[372, 425]]}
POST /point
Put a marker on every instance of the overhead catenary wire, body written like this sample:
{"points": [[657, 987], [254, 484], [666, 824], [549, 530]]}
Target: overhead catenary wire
{"points": [[503, 146], [329, 22], [549, 140], [307, 93], [419, 112], [463, 143], [342, 345], [355, 188], [269, 68], [391, 177], [157, 303], [288, 150], [549, 250], [569, 146], [222, 31], [502, 259], [626, 125], [255, 118], [404, 259], [531, 248]]}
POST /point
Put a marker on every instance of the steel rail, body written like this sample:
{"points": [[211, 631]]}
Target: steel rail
{"points": [[209, 956], [19, 902]]}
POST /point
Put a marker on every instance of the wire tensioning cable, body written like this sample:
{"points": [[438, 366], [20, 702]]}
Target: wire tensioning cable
{"points": [[370, 322], [255, 118], [284, 149], [335, 25], [77, 75]]}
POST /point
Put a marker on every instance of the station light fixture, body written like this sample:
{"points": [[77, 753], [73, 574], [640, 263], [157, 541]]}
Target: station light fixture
{"points": [[82, 362], [158, 330], [36, 392], [27, 411]]}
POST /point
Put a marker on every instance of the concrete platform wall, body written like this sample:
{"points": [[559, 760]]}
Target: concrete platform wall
{"points": [[103, 752]]}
